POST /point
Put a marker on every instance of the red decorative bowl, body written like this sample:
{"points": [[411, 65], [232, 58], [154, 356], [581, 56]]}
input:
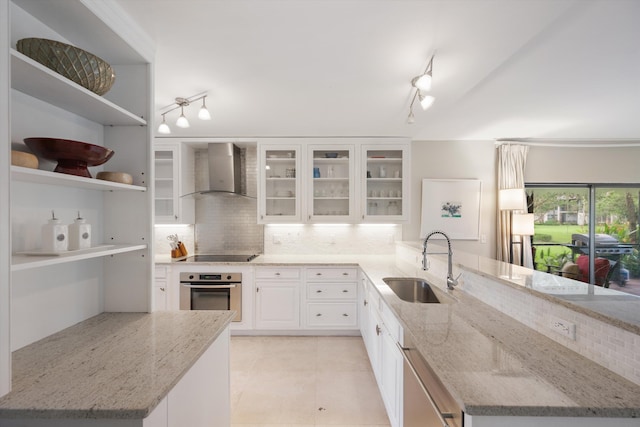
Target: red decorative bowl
{"points": [[73, 157]]}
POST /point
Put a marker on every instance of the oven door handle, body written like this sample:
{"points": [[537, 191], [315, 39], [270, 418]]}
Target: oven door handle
{"points": [[188, 285]]}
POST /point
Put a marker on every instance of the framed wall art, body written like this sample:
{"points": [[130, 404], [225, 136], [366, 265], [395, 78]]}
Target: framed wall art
{"points": [[452, 206]]}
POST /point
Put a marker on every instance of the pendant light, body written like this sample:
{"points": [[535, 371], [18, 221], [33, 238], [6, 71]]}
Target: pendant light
{"points": [[203, 113], [182, 121], [164, 127]]}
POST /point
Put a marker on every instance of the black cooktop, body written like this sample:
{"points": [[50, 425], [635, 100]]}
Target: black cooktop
{"points": [[219, 258]]}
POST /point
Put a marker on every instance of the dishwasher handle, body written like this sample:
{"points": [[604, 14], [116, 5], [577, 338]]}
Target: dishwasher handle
{"points": [[441, 415]]}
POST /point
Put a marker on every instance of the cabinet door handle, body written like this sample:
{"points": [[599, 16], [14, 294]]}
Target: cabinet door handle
{"points": [[258, 289], [345, 291], [162, 289], [345, 274], [277, 274], [319, 291], [365, 303], [318, 274], [378, 330], [319, 315], [345, 315]]}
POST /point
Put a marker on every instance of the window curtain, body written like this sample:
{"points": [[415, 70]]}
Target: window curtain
{"points": [[512, 159]]}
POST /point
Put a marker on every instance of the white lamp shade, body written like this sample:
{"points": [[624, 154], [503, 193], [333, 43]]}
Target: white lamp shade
{"points": [[511, 199], [203, 113], [182, 121], [426, 101], [164, 128], [422, 82], [522, 225]]}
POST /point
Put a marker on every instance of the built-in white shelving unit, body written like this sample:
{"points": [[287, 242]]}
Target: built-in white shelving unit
{"points": [[116, 273]]}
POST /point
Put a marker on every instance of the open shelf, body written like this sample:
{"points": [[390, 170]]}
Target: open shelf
{"points": [[33, 78], [26, 262], [39, 176]]}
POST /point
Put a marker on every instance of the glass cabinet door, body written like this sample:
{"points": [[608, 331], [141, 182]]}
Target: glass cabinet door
{"points": [[280, 195], [332, 188], [164, 183], [384, 195]]}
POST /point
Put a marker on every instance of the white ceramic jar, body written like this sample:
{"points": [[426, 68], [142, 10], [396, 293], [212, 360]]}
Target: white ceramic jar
{"points": [[55, 235], [79, 234]]}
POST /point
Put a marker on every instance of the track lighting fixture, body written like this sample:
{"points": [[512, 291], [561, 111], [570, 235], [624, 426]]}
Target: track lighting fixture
{"points": [[422, 83], [183, 122]]}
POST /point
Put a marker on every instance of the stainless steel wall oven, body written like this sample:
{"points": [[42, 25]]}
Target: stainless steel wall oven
{"points": [[211, 291]]}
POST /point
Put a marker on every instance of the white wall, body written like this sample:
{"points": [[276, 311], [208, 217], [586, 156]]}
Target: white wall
{"points": [[456, 160], [583, 165]]}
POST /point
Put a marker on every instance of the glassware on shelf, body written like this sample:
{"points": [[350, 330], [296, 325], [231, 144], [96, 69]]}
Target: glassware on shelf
{"points": [[392, 208], [330, 171], [316, 172]]}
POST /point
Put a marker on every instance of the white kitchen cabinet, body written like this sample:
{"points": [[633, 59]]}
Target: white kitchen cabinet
{"points": [[173, 178], [331, 183], [337, 180], [277, 298], [160, 288], [385, 182], [381, 334], [331, 298], [279, 184], [44, 103]]}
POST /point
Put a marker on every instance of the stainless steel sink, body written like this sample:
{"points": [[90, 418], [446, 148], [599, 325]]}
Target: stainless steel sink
{"points": [[414, 290]]}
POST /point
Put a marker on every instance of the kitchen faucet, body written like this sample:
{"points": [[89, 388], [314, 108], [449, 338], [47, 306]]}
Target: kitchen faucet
{"points": [[451, 282]]}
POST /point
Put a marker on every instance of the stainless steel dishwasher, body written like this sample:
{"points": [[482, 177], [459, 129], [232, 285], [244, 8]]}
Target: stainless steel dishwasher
{"points": [[426, 401]]}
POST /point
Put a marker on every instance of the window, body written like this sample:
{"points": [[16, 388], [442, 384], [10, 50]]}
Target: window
{"points": [[566, 216]]}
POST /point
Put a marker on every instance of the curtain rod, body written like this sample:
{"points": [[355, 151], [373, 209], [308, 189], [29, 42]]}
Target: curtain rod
{"points": [[570, 142]]}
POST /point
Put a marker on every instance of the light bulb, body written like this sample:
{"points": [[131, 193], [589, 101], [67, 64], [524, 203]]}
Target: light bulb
{"points": [[411, 119], [182, 120], [426, 101], [204, 114], [164, 127]]}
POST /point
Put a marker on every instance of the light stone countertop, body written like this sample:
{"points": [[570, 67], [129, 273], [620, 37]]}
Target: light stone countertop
{"points": [[491, 364], [616, 308], [494, 365], [113, 365]]}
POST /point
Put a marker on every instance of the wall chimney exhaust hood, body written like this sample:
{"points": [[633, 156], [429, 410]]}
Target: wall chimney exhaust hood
{"points": [[225, 170]]}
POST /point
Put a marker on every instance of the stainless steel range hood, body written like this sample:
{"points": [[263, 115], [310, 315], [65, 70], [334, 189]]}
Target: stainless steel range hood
{"points": [[224, 169]]}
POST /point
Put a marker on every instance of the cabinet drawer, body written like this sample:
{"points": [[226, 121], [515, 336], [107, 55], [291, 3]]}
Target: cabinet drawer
{"points": [[332, 315], [323, 291], [336, 273], [160, 272], [277, 273]]}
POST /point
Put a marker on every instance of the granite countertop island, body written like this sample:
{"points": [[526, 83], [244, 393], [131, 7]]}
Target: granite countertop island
{"points": [[113, 365]]}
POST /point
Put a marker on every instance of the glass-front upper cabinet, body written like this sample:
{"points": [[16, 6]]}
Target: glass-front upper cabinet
{"points": [[280, 184], [385, 183], [166, 186], [331, 191]]}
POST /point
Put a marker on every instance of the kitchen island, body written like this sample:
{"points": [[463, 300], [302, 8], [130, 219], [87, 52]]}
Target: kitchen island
{"points": [[119, 369]]}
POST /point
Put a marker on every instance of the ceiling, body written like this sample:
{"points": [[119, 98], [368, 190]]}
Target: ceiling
{"points": [[553, 69]]}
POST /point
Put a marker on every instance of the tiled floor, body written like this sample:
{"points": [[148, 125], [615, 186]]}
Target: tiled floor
{"points": [[303, 381]]}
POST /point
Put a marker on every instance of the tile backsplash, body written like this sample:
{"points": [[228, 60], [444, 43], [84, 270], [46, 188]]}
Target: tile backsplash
{"points": [[323, 239]]}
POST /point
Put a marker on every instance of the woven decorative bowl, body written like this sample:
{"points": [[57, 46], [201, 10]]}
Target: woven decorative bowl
{"points": [[73, 63], [73, 157]]}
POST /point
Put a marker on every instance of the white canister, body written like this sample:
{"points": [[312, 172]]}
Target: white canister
{"points": [[79, 234], [55, 236], [383, 172]]}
